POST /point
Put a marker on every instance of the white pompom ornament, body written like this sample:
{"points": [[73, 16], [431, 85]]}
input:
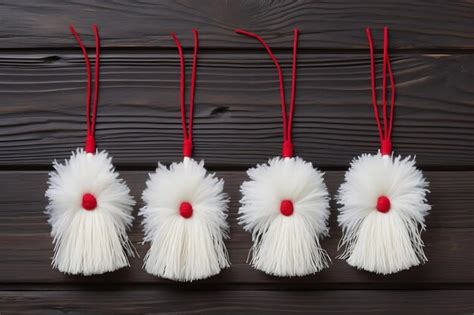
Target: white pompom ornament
{"points": [[90, 211], [285, 204], [185, 222], [185, 211], [90, 207], [383, 209], [383, 201]]}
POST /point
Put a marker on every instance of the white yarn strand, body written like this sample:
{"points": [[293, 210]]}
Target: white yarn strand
{"points": [[383, 243], [89, 242], [185, 249], [286, 245]]}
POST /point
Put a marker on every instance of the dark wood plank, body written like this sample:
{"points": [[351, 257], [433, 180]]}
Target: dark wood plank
{"points": [[25, 244], [414, 24], [27, 260], [239, 302], [237, 120]]}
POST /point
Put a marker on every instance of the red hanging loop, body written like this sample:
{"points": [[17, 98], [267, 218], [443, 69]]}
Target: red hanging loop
{"points": [[187, 132], [90, 145], [287, 150], [385, 134]]}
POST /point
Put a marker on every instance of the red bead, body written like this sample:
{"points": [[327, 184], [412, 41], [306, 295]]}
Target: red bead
{"points": [[383, 204], [186, 210], [89, 202], [286, 207]]}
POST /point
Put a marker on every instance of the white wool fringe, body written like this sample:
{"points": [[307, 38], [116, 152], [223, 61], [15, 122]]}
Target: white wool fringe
{"points": [[89, 242], [389, 242], [286, 245], [185, 249]]}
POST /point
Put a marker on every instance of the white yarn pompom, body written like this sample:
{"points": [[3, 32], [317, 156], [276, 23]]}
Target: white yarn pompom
{"points": [[383, 237], [285, 206], [189, 245], [90, 241]]}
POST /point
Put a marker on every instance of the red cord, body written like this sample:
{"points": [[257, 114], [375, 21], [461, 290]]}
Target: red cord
{"points": [[287, 122], [386, 133], [90, 146], [293, 82], [187, 132]]}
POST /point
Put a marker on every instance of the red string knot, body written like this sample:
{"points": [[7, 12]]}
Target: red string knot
{"points": [[89, 202], [187, 148], [383, 204], [286, 207], [90, 144], [386, 147], [186, 210], [287, 150]]}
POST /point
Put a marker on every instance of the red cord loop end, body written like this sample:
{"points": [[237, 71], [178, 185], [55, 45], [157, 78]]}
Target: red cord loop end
{"points": [[287, 119], [287, 150], [187, 148], [90, 144], [187, 130], [386, 147], [90, 121], [385, 120]]}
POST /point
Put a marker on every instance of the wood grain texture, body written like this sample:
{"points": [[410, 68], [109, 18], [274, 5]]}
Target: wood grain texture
{"points": [[25, 244], [237, 119], [239, 302], [237, 124], [324, 25]]}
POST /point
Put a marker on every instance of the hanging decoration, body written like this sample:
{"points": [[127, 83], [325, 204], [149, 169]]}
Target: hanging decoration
{"points": [[90, 207], [186, 208], [383, 199], [285, 204]]}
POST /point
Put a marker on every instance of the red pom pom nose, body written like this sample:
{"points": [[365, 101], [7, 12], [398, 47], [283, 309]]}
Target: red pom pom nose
{"points": [[89, 202], [286, 207], [383, 204], [186, 210]]}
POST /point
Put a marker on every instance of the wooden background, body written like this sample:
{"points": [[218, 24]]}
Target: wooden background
{"points": [[237, 124]]}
